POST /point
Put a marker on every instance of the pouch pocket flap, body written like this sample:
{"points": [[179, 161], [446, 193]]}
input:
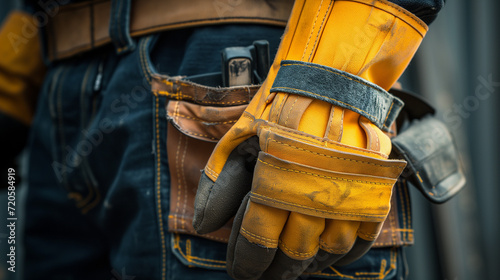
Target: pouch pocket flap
{"points": [[208, 123]]}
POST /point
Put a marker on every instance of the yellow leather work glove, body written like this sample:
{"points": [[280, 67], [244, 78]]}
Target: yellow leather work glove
{"points": [[319, 189]]}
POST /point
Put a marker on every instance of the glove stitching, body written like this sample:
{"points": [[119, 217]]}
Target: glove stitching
{"points": [[325, 141], [320, 28], [323, 176], [290, 110], [268, 242], [257, 197], [297, 253], [387, 116], [332, 250], [310, 34], [368, 236], [280, 107], [211, 172], [334, 157]]}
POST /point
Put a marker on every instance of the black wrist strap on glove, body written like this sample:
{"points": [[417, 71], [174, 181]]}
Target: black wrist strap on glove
{"points": [[427, 145]]}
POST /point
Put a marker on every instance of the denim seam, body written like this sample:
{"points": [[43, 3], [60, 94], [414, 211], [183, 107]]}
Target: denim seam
{"points": [[408, 207], [61, 128], [158, 185], [117, 24], [97, 199], [402, 206], [190, 258], [382, 274], [84, 203], [53, 114], [144, 62]]}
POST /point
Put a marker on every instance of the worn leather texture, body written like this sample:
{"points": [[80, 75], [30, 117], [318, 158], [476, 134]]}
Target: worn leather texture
{"points": [[84, 26]]}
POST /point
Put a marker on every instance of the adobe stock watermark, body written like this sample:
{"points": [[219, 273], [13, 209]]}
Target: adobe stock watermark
{"points": [[92, 138], [38, 20], [485, 88]]}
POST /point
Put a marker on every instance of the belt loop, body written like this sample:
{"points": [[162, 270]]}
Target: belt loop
{"points": [[119, 27]]}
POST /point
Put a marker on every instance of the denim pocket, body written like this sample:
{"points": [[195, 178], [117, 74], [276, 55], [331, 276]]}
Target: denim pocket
{"points": [[378, 263], [73, 100]]}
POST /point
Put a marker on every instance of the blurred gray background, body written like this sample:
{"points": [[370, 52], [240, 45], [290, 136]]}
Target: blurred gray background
{"points": [[459, 239]]}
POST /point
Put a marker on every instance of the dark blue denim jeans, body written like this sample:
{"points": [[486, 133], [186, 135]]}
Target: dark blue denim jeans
{"points": [[98, 199]]}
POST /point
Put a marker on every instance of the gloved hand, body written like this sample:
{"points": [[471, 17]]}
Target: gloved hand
{"points": [[319, 189]]}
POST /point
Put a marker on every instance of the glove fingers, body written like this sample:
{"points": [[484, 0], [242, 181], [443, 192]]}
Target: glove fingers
{"points": [[300, 237], [217, 202], [238, 244], [254, 239], [299, 243], [335, 242], [284, 267], [367, 234]]}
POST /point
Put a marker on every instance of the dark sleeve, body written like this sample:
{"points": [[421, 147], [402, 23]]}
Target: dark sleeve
{"points": [[426, 10], [21, 74]]}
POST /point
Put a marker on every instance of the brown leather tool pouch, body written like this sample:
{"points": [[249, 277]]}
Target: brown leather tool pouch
{"points": [[198, 117]]}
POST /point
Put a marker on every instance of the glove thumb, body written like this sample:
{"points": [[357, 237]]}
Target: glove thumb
{"points": [[217, 202]]}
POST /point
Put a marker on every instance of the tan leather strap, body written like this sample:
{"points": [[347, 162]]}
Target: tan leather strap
{"points": [[81, 27]]}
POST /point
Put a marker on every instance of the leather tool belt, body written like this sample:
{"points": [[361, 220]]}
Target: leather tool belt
{"points": [[81, 27], [198, 117]]}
